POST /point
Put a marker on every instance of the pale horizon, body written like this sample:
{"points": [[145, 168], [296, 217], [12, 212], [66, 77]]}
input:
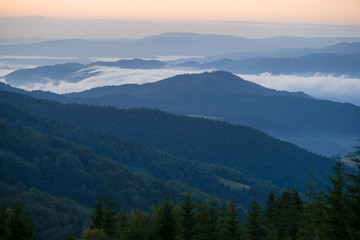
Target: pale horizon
{"points": [[141, 18], [276, 11], [65, 28]]}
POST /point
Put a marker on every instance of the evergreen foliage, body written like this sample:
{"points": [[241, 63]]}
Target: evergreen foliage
{"points": [[97, 215], [337, 227], [353, 188], [198, 139], [187, 217], [15, 222], [255, 218]]}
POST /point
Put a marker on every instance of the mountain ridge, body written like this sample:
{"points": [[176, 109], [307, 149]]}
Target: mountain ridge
{"points": [[279, 111]]}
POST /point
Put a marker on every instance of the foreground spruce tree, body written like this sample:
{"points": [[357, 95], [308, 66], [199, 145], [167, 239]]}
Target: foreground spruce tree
{"points": [[337, 228], [138, 226], [97, 215], [353, 188], [255, 219], [166, 221], [234, 224], [203, 222], [270, 216], [110, 217], [188, 222], [16, 223], [104, 216]]}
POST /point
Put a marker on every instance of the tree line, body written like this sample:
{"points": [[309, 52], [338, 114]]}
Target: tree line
{"points": [[290, 215], [331, 214]]}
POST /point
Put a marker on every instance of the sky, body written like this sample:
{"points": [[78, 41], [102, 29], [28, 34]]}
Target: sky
{"points": [[334, 12]]}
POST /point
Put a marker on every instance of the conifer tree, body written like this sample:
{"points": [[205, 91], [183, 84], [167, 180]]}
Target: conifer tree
{"points": [[288, 211], [122, 224], [312, 222], [109, 217], [223, 221], [97, 215], [354, 197], [203, 222], [270, 217], [187, 217], [336, 204], [138, 225], [213, 219], [233, 221], [255, 219], [166, 225], [17, 223]]}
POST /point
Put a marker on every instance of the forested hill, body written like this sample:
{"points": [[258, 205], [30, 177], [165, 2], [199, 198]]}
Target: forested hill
{"points": [[296, 117], [208, 178], [61, 180], [249, 151]]}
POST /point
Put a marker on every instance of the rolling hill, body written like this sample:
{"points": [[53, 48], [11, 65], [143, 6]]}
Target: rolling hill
{"points": [[244, 149], [321, 126], [65, 154]]}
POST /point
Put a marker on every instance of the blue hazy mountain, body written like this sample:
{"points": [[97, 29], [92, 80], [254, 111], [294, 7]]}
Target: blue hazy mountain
{"points": [[73, 72], [188, 44], [310, 64], [296, 117], [283, 52]]}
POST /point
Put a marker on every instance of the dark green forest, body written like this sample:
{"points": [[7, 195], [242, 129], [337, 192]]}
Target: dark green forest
{"points": [[244, 149], [329, 214], [58, 161]]}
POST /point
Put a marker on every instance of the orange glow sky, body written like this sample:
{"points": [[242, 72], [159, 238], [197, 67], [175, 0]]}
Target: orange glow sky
{"points": [[337, 12]]}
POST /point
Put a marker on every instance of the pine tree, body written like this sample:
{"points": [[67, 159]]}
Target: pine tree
{"points": [[233, 223], [336, 204], [288, 211], [109, 217], [203, 222], [223, 221], [354, 198], [17, 223], [166, 223], [213, 219], [255, 219], [312, 224], [187, 217], [122, 224], [138, 225], [97, 217], [270, 217]]}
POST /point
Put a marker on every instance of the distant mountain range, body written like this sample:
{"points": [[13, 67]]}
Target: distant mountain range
{"points": [[324, 127], [283, 52], [183, 44], [308, 65]]}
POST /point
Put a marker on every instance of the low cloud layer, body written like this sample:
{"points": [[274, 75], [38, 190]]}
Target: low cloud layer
{"points": [[109, 76], [340, 89]]}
